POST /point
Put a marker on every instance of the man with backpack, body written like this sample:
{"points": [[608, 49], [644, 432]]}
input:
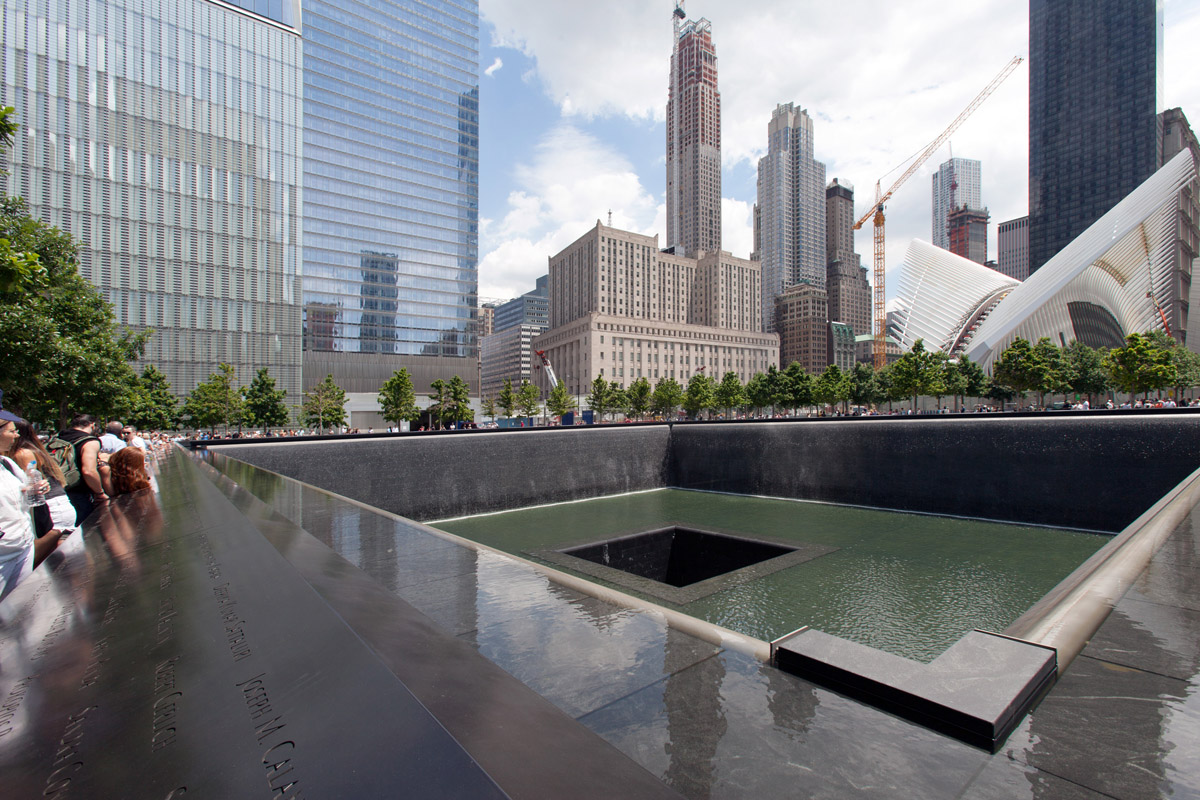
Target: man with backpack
{"points": [[77, 453]]}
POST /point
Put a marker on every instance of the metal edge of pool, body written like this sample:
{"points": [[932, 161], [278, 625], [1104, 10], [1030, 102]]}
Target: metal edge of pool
{"points": [[1070, 614]]}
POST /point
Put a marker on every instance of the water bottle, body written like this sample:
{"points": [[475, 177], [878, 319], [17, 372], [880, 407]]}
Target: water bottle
{"points": [[35, 486]]}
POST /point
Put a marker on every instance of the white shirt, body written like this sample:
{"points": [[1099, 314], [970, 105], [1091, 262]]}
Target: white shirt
{"points": [[15, 523], [110, 443]]}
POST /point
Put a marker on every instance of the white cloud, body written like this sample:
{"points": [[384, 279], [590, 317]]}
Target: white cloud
{"points": [[593, 59], [496, 65], [571, 181], [737, 227], [882, 80]]}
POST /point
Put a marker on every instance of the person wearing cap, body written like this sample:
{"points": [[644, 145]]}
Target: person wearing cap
{"points": [[20, 550]]}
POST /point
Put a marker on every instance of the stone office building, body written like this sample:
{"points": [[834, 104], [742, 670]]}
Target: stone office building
{"points": [[623, 309]]}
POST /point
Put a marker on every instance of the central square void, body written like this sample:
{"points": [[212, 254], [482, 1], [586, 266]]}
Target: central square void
{"points": [[678, 556]]}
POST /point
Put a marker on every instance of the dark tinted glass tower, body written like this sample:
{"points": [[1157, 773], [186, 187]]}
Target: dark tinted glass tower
{"points": [[1093, 102]]}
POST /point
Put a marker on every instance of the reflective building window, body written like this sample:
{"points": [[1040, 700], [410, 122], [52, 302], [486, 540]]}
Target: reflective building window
{"points": [[391, 171], [166, 138]]}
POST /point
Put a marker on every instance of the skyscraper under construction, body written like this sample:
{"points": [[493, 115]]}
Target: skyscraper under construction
{"points": [[693, 140]]}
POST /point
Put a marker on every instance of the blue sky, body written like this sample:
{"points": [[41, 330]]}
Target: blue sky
{"points": [[573, 97]]}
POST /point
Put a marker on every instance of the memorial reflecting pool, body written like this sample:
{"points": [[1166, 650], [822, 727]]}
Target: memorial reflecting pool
{"points": [[909, 584]]}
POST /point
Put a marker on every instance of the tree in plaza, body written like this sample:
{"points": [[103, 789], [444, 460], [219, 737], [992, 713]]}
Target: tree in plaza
{"points": [[797, 387], [776, 388], [398, 399], [324, 406], [831, 387], [488, 406], [887, 390], [529, 399], [668, 395], [618, 399], [1140, 366], [954, 382], [507, 399], [699, 394], [1086, 367], [560, 401], [730, 393], [597, 399], [1185, 362], [1019, 369], [941, 379], [216, 401], [1187, 370], [458, 400], [21, 271], [63, 350], [437, 396], [758, 391], [974, 381], [909, 372], [153, 405], [638, 397], [264, 404], [1055, 377], [864, 385]]}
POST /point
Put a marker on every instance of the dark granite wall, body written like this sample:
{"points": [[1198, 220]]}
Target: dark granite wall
{"points": [[447, 475], [1096, 472]]}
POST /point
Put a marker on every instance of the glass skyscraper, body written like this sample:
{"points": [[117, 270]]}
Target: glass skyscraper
{"points": [[165, 137], [391, 190], [956, 184], [1094, 91], [791, 209]]}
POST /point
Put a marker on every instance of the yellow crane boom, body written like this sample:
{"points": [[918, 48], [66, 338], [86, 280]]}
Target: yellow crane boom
{"points": [[876, 210]]}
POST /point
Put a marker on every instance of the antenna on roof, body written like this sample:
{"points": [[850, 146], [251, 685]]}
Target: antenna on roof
{"points": [[610, 218]]}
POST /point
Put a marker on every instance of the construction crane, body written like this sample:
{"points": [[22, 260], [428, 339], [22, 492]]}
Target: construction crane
{"points": [[876, 210], [549, 369]]}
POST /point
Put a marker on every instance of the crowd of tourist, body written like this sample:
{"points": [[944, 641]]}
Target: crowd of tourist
{"points": [[49, 486]]}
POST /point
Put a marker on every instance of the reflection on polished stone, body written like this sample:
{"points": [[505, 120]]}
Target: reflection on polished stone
{"points": [[1122, 722]]}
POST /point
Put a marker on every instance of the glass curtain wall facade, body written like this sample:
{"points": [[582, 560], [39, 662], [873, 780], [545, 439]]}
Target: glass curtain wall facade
{"points": [[956, 184], [391, 190], [1095, 83], [165, 137], [791, 209]]}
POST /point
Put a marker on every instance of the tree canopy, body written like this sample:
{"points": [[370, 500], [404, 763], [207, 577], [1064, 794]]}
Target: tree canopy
{"points": [[324, 406], [398, 399], [264, 404], [216, 401]]}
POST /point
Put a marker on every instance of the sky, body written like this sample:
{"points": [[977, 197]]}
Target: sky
{"points": [[573, 98]]}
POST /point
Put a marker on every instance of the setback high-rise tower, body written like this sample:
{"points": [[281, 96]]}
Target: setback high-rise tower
{"points": [[1094, 87], [391, 190], [845, 277], [693, 140], [791, 209], [956, 184]]}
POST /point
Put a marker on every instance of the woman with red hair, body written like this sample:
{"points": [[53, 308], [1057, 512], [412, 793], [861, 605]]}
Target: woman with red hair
{"points": [[126, 472]]}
